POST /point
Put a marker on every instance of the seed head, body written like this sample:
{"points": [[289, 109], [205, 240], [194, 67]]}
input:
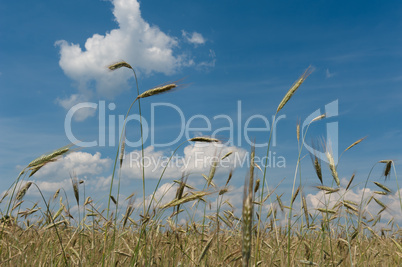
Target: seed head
{"points": [[293, 89], [204, 139], [23, 191], [119, 65], [157, 90]]}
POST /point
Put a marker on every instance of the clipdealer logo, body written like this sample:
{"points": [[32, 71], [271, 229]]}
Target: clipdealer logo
{"points": [[238, 128]]}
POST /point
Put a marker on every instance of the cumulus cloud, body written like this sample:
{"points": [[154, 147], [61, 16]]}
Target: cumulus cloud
{"points": [[95, 171], [89, 168], [52, 187], [167, 192], [146, 47], [79, 163], [194, 38], [320, 200], [197, 158], [163, 195], [100, 183]]}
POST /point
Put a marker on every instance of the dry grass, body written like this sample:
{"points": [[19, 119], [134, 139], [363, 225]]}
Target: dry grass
{"points": [[37, 245]]}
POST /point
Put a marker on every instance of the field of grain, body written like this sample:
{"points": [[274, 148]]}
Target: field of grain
{"points": [[272, 230]]}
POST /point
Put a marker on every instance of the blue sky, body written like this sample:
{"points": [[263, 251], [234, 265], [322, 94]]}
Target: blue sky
{"points": [[53, 55]]}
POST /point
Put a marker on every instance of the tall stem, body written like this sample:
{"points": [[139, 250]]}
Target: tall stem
{"points": [[256, 258]]}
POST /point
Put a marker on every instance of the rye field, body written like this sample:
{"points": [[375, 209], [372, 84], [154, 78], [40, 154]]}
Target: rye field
{"points": [[200, 227]]}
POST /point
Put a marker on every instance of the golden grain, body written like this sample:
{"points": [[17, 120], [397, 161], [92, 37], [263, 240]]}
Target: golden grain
{"points": [[157, 90], [327, 188], [21, 193], [383, 187], [355, 143], [119, 65], [293, 89], [350, 181], [332, 167]]}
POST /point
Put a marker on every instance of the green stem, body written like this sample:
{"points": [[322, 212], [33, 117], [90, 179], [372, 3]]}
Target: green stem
{"points": [[293, 189], [55, 227], [397, 185], [113, 174], [361, 201], [11, 197], [256, 258], [152, 198]]}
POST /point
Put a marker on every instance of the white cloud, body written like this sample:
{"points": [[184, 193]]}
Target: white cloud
{"points": [[96, 186], [163, 195], [320, 200], [101, 184], [49, 186], [197, 158], [79, 163], [147, 48], [93, 169], [44, 186], [194, 38], [234, 196], [167, 192]]}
